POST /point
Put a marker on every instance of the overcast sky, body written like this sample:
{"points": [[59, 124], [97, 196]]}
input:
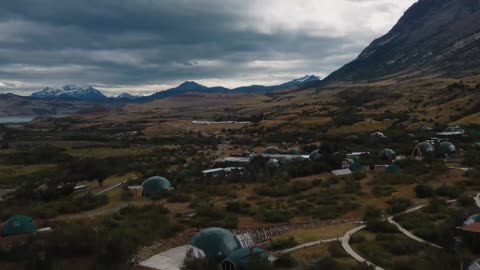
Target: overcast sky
{"points": [[149, 45]]}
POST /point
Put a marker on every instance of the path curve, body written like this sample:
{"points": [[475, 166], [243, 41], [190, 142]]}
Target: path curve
{"points": [[409, 234], [346, 246]]}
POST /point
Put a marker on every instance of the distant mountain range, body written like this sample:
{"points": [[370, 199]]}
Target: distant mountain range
{"points": [[433, 38], [71, 92]]}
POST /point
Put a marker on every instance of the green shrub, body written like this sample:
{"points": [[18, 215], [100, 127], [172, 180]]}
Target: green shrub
{"points": [[282, 243]]}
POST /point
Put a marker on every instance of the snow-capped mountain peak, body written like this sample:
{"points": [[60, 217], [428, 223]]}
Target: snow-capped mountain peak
{"points": [[70, 91]]}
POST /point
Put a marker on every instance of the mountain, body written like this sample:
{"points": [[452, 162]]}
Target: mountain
{"points": [[71, 92], [127, 97], [260, 88], [434, 37], [183, 88]]}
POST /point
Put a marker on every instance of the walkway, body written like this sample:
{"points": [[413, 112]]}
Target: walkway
{"points": [[311, 244], [409, 234], [346, 246], [110, 188]]}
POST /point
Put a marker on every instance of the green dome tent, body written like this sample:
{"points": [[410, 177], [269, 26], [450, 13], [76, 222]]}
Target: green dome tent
{"points": [[475, 265], [272, 150], [155, 185], [393, 169], [425, 148], [17, 225], [472, 219], [447, 148], [240, 258], [216, 243], [316, 155], [388, 154]]}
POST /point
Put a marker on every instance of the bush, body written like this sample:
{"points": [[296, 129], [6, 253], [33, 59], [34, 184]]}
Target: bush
{"points": [[274, 215], [285, 261], [397, 205], [423, 191], [283, 243]]}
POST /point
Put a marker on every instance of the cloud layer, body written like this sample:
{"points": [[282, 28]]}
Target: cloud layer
{"points": [[148, 45]]}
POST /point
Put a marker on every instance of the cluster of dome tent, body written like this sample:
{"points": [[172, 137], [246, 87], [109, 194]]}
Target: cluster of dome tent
{"points": [[225, 248]]}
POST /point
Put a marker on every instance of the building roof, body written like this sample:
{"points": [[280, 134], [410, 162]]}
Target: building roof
{"points": [[217, 243], [155, 185], [227, 169], [235, 159], [17, 225], [473, 227], [342, 172]]}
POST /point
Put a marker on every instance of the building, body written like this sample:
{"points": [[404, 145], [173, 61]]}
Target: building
{"points": [[342, 172], [221, 171]]}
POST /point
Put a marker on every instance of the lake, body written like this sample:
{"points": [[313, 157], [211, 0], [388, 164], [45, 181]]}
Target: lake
{"points": [[23, 118]]}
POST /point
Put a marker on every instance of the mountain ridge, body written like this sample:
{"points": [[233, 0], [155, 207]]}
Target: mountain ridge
{"points": [[432, 38]]}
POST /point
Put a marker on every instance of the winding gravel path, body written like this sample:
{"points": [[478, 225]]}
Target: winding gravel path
{"points": [[310, 244], [346, 246]]}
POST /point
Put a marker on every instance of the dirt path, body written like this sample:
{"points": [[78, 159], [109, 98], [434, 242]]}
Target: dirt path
{"points": [[346, 246]]}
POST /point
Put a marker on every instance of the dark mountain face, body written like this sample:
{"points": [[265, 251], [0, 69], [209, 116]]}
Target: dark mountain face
{"points": [[434, 37]]}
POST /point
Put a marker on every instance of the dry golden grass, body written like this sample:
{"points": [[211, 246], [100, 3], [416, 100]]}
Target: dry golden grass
{"points": [[303, 236]]}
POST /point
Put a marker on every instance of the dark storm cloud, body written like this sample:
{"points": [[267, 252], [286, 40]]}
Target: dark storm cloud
{"points": [[162, 42]]}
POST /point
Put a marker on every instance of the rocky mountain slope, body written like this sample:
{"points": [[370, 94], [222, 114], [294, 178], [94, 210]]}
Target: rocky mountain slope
{"points": [[434, 37]]}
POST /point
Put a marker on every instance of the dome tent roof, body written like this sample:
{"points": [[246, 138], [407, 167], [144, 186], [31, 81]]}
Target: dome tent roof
{"points": [[475, 265], [217, 243], [272, 150], [388, 154], [353, 138], [425, 148], [241, 257], [447, 148], [316, 155], [155, 185], [18, 225]]}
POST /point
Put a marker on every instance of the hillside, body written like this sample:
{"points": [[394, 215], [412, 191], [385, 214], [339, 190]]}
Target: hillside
{"points": [[433, 38]]}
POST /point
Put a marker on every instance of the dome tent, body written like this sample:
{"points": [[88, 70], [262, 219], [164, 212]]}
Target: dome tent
{"points": [[388, 154], [393, 169], [316, 155], [472, 219], [475, 265], [272, 150], [240, 258], [17, 225], [425, 148], [155, 185], [216, 243], [447, 148], [273, 164]]}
